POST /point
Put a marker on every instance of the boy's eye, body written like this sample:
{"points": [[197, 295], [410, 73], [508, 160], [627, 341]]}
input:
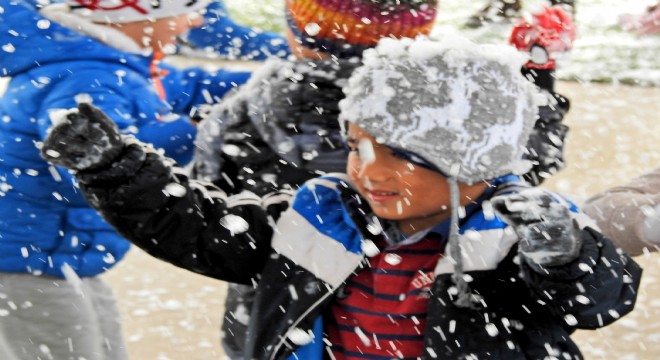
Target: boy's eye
{"points": [[398, 155], [350, 145]]}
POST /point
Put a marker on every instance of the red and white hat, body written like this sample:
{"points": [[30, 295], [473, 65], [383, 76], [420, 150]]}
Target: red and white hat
{"points": [[123, 11]]}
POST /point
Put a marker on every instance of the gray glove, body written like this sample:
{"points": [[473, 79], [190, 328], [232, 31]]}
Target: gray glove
{"points": [[547, 232], [85, 139]]}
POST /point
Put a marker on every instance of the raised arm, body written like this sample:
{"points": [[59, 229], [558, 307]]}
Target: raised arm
{"points": [[190, 224]]}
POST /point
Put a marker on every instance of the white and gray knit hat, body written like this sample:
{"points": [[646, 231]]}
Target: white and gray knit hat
{"points": [[463, 107], [123, 11], [454, 106]]}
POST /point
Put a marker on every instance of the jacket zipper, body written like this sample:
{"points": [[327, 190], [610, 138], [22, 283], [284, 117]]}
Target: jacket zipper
{"points": [[279, 345]]}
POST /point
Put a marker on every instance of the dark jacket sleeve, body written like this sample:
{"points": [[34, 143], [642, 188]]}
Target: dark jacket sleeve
{"points": [[545, 147], [594, 290], [188, 223]]}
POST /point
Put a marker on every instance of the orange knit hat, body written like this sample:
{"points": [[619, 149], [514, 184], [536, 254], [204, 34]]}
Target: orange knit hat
{"points": [[345, 28]]}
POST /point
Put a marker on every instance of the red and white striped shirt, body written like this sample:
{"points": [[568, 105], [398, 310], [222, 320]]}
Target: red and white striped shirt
{"points": [[381, 313]]}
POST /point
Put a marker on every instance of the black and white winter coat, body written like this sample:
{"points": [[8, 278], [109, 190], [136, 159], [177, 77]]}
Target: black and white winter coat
{"points": [[278, 130], [299, 258]]}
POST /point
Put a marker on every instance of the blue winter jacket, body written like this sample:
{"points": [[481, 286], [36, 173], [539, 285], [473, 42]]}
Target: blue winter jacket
{"points": [[233, 40], [44, 221]]}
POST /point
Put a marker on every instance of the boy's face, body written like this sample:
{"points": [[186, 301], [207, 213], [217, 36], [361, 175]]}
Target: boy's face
{"points": [[396, 189]]}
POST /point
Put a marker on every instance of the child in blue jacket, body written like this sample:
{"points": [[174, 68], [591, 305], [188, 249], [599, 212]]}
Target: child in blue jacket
{"points": [[428, 247], [56, 56]]}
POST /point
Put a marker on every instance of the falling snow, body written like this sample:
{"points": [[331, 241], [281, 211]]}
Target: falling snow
{"points": [[614, 136]]}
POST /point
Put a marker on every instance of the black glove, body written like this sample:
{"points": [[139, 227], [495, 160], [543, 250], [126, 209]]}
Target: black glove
{"points": [[547, 232], [87, 139]]}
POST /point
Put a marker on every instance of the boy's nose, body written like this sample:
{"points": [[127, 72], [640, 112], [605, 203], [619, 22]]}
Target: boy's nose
{"points": [[374, 171]]}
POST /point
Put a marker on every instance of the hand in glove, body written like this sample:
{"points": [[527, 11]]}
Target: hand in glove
{"points": [[84, 139], [545, 227]]}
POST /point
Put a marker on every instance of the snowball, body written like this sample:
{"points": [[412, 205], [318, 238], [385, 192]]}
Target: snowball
{"points": [[393, 259], [312, 29], [299, 336], [235, 224], [366, 151], [242, 315], [369, 248], [491, 329], [8, 48], [59, 116], [231, 150], [570, 320], [175, 189]]}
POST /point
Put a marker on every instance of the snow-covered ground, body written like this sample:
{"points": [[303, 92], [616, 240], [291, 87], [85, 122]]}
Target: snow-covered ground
{"points": [[603, 51]]}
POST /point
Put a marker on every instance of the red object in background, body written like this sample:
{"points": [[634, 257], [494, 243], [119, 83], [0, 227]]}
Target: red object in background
{"points": [[550, 32]]}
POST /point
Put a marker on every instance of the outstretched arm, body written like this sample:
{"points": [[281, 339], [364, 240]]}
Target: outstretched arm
{"points": [[190, 224]]}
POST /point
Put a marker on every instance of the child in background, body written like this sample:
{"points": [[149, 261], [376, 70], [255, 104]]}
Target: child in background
{"points": [[644, 24], [427, 248], [280, 129], [546, 35], [503, 10], [53, 247], [629, 214]]}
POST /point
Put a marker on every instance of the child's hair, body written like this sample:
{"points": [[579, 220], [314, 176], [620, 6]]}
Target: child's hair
{"points": [[123, 11], [461, 107], [345, 28], [453, 106]]}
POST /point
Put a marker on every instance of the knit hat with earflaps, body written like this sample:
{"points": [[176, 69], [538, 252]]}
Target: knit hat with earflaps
{"points": [[123, 11], [454, 103], [457, 107], [345, 28]]}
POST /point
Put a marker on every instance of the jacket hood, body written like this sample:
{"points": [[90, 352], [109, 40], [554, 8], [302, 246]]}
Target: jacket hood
{"points": [[29, 40], [290, 106]]}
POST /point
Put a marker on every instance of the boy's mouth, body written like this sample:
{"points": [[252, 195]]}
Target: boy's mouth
{"points": [[381, 196]]}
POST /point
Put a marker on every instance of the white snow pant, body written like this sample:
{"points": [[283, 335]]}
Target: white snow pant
{"points": [[46, 318]]}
